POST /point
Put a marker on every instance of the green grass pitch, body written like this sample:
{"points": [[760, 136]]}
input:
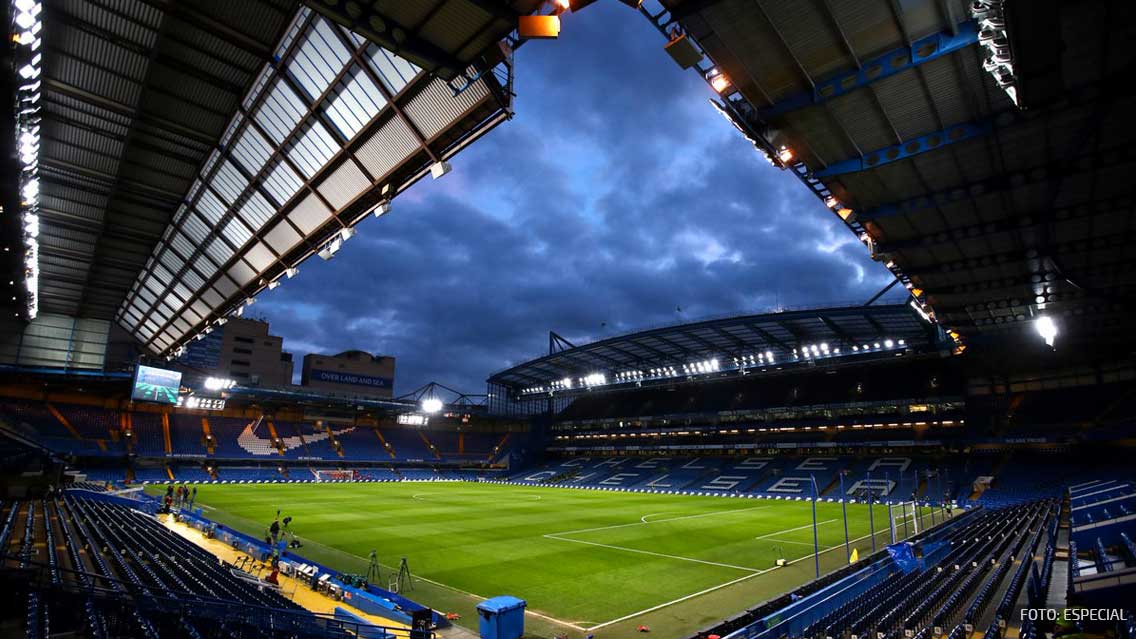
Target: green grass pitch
{"points": [[584, 560]]}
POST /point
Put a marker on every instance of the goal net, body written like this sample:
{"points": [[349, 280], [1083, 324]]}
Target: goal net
{"points": [[336, 475]]}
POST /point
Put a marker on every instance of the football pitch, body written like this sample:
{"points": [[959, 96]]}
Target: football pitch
{"points": [[584, 560]]}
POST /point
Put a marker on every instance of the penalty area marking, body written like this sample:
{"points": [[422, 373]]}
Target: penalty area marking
{"points": [[713, 588], [774, 534], [645, 517], [659, 521], [655, 554]]}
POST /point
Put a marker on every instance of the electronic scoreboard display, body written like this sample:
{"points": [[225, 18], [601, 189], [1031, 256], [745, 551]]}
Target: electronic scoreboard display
{"points": [[156, 385]]}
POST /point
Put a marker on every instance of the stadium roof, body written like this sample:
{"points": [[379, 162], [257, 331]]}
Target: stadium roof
{"points": [[194, 153], [991, 212], [775, 339]]}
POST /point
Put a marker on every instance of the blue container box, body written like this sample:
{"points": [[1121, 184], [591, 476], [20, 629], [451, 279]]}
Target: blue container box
{"points": [[501, 618]]}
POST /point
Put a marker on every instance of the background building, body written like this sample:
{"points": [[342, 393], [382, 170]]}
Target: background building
{"points": [[244, 351], [351, 372]]}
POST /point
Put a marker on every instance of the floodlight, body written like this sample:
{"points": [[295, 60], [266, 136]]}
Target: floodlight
{"points": [[438, 169], [382, 208], [888, 343], [529, 27], [431, 405], [720, 83], [785, 155], [1047, 328], [291, 272]]}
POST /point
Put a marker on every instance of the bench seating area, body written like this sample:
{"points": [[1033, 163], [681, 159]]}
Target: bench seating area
{"points": [[103, 569]]}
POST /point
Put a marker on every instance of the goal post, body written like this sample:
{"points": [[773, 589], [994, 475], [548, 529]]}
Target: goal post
{"points": [[904, 522], [336, 475]]}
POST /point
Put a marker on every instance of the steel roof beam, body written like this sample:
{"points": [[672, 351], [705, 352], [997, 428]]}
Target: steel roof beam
{"points": [[682, 349], [915, 146], [998, 183], [662, 354], [877, 68], [880, 330], [1029, 221], [768, 337], [118, 108], [399, 39], [707, 344], [836, 330]]}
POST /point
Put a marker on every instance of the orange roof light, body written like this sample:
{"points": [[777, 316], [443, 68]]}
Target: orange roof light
{"points": [[720, 83]]}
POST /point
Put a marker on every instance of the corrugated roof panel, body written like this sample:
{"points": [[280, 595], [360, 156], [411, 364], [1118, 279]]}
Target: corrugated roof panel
{"points": [[256, 210], [436, 106], [389, 146], [309, 214], [282, 183], [343, 185], [236, 232], [260, 257], [218, 250], [869, 26]]}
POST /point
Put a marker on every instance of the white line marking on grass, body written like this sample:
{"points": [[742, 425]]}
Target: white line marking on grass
{"points": [[420, 496], [798, 543], [644, 517], [458, 590], [774, 534], [679, 600], [718, 587], [659, 521], [654, 554]]}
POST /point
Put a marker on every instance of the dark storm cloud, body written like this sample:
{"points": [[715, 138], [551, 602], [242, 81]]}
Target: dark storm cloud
{"points": [[616, 195]]}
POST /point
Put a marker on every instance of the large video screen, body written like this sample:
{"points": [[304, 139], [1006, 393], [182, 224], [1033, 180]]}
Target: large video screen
{"points": [[156, 385]]}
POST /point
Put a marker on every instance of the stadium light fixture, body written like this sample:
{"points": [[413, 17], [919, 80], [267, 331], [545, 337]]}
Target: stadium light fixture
{"points": [[719, 82], [439, 169], [291, 272], [785, 154], [219, 383], [382, 208], [28, 59], [539, 27], [1047, 328], [431, 405]]}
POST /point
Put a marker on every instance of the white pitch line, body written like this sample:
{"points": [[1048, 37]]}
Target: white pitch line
{"points": [[679, 600], [654, 554], [718, 587], [659, 521], [644, 517], [467, 593], [798, 543], [774, 534]]}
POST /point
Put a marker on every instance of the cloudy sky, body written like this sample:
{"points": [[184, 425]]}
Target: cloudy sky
{"points": [[615, 196]]}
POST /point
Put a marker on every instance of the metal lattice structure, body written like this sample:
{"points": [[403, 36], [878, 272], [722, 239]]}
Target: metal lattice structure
{"points": [[976, 148], [194, 153]]}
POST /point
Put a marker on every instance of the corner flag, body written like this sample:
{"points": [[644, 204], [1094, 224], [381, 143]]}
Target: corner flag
{"points": [[855, 556]]}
